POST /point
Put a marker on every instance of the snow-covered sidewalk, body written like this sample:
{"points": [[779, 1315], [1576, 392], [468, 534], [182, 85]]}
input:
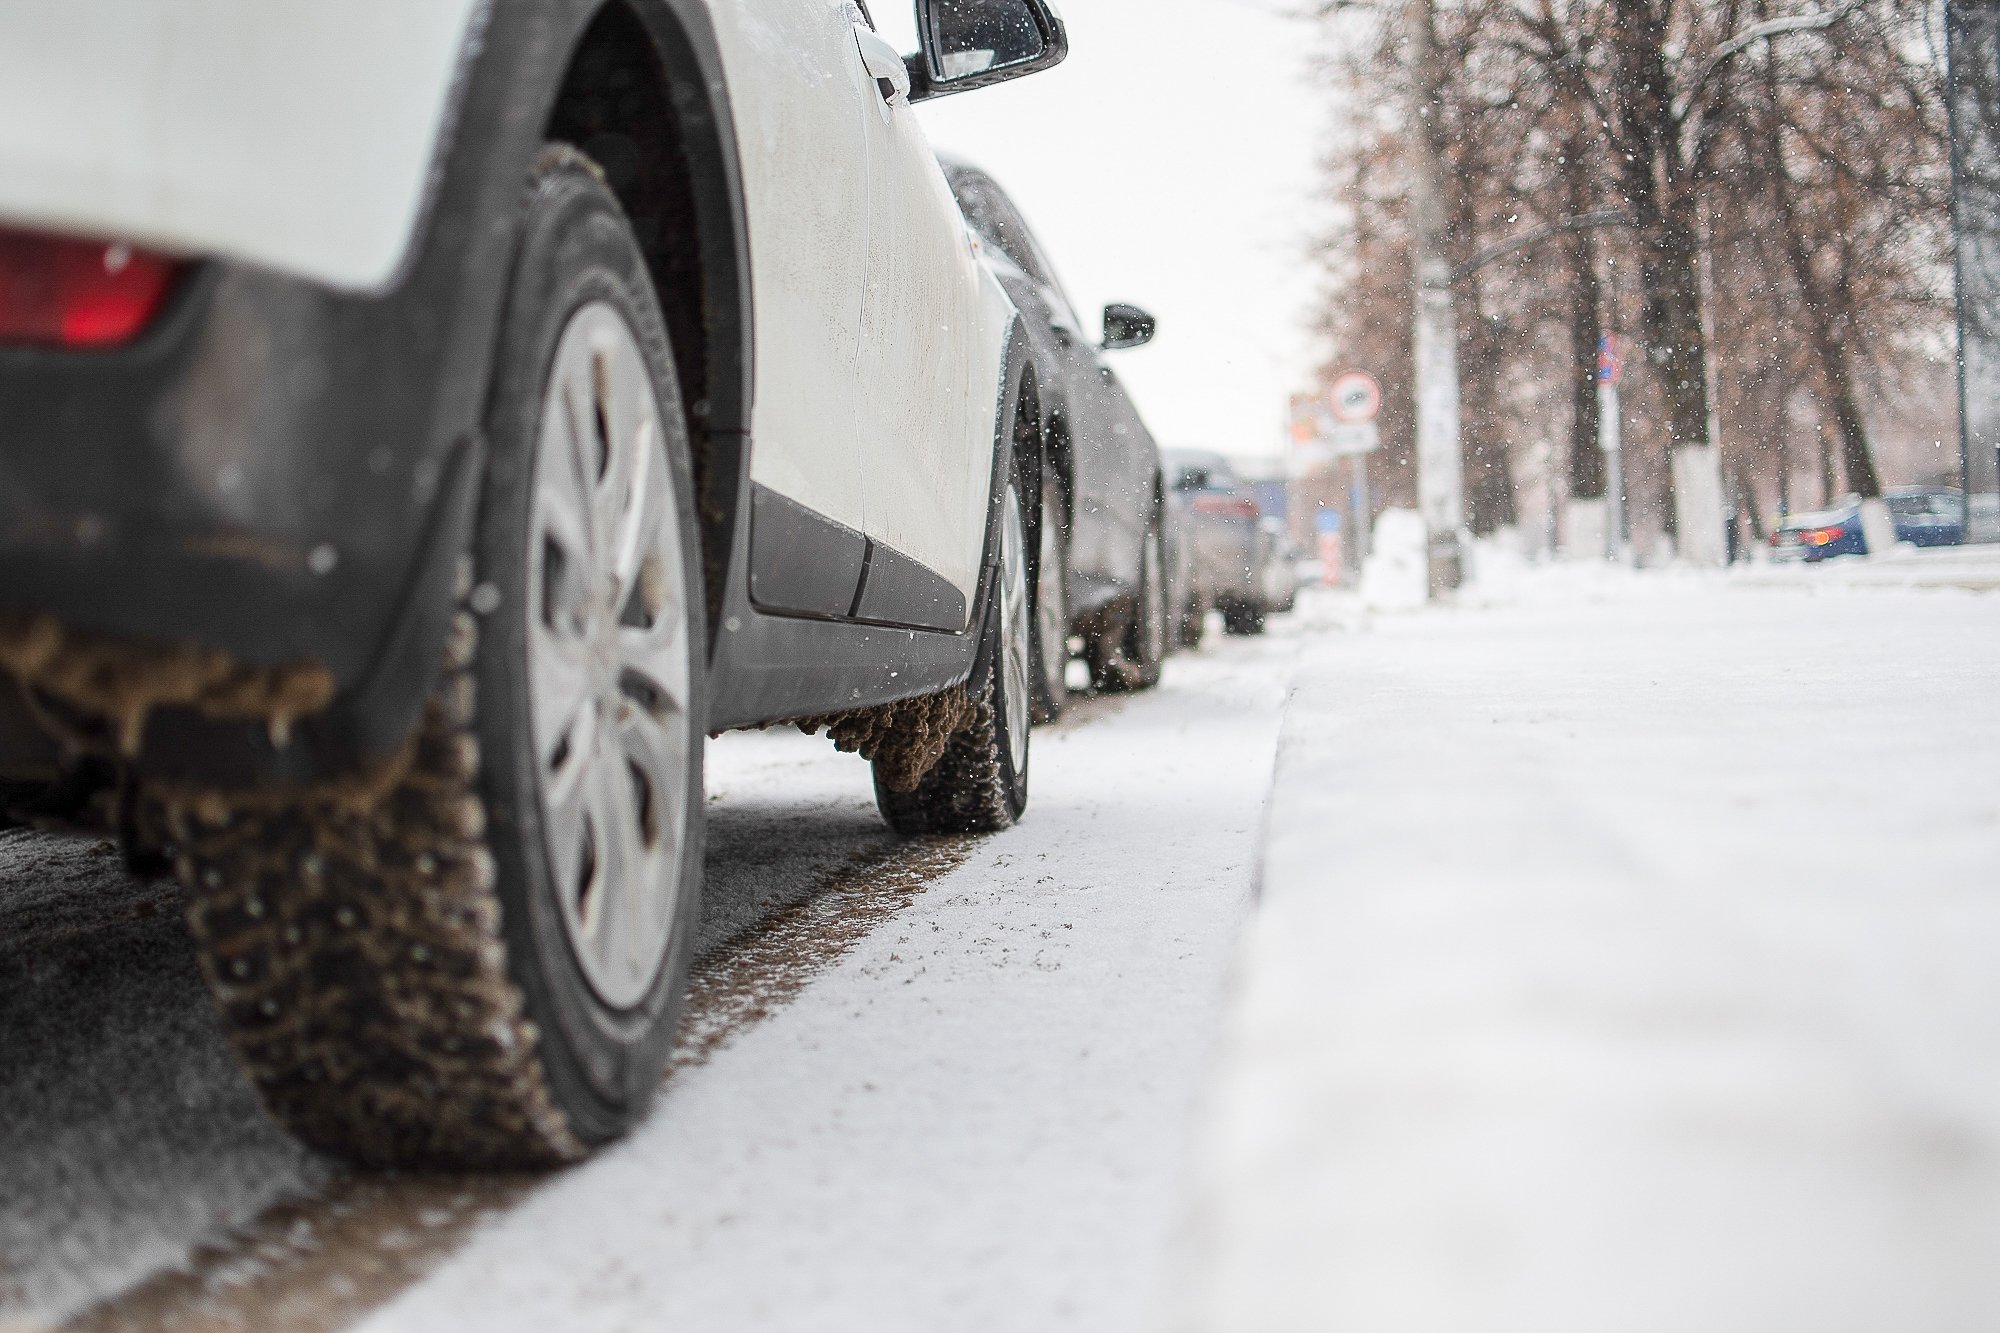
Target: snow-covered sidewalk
{"points": [[1975, 568], [1628, 958]]}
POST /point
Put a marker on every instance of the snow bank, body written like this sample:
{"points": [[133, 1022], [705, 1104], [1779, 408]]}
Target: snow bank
{"points": [[1624, 963], [1397, 574], [1973, 568]]}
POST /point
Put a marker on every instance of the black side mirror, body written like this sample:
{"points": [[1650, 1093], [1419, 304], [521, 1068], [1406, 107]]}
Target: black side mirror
{"points": [[1127, 326], [969, 44]]}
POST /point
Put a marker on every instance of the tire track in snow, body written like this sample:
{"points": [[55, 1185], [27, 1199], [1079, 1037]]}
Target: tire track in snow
{"points": [[320, 1264]]}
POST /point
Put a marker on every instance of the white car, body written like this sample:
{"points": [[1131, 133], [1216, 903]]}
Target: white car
{"points": [[424, 423]]}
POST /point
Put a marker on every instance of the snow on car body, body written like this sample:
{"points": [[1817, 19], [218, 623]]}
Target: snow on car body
{"points": [[422, 426]]}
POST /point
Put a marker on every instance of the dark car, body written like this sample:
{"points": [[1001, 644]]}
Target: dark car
{"points": [[1107, 553], [1922, 515], [1230, 540]]}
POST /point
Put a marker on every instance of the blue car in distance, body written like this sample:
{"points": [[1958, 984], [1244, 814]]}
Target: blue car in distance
{"points": [[1927, 515], [1923, 515]]}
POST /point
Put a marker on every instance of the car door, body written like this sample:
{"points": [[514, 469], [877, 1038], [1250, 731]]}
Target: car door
{"points": [[933, 341], [798, 94]]}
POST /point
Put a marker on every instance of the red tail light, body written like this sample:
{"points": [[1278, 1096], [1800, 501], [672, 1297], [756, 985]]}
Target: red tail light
{"points": [[1228, 506], [1823, 536], [59, 292]]}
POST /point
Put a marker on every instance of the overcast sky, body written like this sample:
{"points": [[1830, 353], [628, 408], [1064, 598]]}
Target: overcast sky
{"points": [[1169, 162]]}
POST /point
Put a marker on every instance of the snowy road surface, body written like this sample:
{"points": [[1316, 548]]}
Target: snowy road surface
{"points": [[1626, 961], [926, 1085]]}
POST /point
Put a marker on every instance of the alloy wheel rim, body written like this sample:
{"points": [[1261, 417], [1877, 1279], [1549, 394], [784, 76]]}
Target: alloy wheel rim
{"points": [[609, 671], [1014, 648]]}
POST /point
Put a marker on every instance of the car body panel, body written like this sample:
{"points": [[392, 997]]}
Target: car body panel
{"points": [[1927, 515], [1229, 550], [1921, 515], [283, 470], [935, 324], [797, 89], [1110, 462], [299, 137]]}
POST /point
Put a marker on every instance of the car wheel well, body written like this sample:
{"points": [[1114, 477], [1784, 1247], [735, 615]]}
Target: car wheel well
{"points": [[634, 100], [1060, 454]]}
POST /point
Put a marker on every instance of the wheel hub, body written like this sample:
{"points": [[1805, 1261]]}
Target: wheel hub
{"points": [[609, 669]]}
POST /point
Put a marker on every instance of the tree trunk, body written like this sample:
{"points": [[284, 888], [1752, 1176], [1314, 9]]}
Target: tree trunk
{"points": [[1746, 492], [1489, 478], [1665, 203], [1824, 308], [1484, 459], [1669, 265], [1586, 328]]}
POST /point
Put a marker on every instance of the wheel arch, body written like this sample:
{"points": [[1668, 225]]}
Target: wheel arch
{"points": [[1017, 377], [1060, 447], [643, 95]]}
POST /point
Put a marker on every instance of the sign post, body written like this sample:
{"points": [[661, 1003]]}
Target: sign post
{"points": [[1356, 399]]}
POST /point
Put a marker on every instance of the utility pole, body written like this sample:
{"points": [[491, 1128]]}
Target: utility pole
{"points": [[1440, 465]]}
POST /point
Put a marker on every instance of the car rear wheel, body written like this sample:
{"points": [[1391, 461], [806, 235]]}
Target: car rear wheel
{"points": [[1193, 622], [478, 960], [1051, 645], [1243, 618], [1133, 655], [980, 784]]}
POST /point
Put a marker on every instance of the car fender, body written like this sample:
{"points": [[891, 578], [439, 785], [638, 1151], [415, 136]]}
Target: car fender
{"points": [[270, 416], [303, 138]]}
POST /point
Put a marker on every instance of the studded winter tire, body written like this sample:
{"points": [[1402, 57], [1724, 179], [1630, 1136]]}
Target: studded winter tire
{"points": [[1193, 624], [477, 958], [1242, 618], [1130, 653], [1051, 624], [980, 784]]}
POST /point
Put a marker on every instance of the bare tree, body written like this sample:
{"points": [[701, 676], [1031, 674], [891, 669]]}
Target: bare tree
{"points": [[1793, 148]]}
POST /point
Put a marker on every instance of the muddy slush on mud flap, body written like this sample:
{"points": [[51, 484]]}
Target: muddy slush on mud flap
{"points": [[418, 434]]}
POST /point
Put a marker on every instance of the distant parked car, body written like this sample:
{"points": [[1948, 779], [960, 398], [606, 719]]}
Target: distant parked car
{"points": [[1107, 557], [1279, 576], [1231, 545], [1923, 515], [1927, 515]]}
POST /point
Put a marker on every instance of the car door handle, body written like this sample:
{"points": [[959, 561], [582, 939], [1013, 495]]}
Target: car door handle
{"points": [[884, 64]]}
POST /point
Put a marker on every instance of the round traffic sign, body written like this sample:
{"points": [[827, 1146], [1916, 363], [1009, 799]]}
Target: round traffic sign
{"points": [[1354, 396]]}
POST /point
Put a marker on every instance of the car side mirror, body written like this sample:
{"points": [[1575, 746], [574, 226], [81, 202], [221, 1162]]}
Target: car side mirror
{"points": [[969, 44], [1127, 326]]}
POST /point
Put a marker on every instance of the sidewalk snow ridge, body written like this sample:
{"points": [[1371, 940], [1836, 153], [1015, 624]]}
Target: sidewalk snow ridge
{"points": [[1625, 962]]}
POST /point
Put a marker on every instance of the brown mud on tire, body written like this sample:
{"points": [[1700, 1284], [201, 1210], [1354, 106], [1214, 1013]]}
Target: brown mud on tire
{"points": [[319, 1265], [353, 947]]}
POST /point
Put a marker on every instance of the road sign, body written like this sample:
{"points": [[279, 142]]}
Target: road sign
{"points": [[1354, 396], [1353, 437], [1610, 359]]}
